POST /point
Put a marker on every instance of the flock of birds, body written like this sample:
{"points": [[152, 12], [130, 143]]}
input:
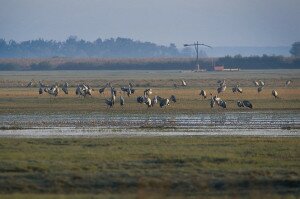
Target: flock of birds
{"points": [[85, 90]]}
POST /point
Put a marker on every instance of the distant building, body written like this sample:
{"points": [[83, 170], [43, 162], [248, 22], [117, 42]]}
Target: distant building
{"points": [[218, 68]]}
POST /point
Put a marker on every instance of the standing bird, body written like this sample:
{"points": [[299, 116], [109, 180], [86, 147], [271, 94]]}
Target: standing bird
{"points": [[41, 90], [154, 101], [54, 90], [122, 101], [183, 83], [256, 83], [65, 87], [173, 98], [237, 88], [222, 83], [202, 93], [212, 101], [221, 89], [275, 93], [30, 84], [222, 103], [147, 92], [261, 83], [288, 82]]}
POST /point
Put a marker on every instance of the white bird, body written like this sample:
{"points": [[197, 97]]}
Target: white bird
{"points": [[183, 82], [261, 83], [256, 83], [288, 82], [275, 93]]}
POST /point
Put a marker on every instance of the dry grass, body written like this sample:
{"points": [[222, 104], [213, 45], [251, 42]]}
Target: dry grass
{"points": [[28, 100]]}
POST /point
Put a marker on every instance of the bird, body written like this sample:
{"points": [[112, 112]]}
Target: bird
{"points": [[183, 82], [237, 88], [288, 82], [261, 83], [240, 104], [109, 103], [222, 83], [221, 89], [154, 101], [30, 84], [148, 102], [41, 90], [203, 93], [140, 99], [163, 102], [275, 93], [247, 104], [173, 98], [122, 101], [147, 92], [65, 87], [256, 83], [53, 90], [128, 90], [101, 90], [212, 101], [222, 103], [83, 90], [244, 103]]}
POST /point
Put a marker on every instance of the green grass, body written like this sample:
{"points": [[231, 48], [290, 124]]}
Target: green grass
{"points": [[151, 167]]}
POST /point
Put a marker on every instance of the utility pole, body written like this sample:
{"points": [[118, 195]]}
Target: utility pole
{"points": [[196, 46]]}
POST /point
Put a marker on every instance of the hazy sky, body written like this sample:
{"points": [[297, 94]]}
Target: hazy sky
{"points": [[215, 22]]}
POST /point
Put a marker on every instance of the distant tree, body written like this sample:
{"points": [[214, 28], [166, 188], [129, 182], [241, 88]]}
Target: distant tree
{"points": [[295, 50]]}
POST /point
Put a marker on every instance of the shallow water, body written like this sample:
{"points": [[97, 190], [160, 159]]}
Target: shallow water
{"points": [[272, 123]]}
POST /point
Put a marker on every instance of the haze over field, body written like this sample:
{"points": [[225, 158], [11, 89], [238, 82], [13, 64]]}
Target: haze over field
{"points": [[271, 25]]}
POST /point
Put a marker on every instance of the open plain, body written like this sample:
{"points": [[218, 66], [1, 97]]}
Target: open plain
{"points": [[75, 147]]}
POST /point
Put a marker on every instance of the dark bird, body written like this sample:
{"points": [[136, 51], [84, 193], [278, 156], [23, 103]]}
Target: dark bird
{"points": [[109, 102], [101, 90], [203, 93], [222, 103], [247, 104], [41, 90], [140, 99], [173, 98], [163, 102], [259, 89], [244, 103]]}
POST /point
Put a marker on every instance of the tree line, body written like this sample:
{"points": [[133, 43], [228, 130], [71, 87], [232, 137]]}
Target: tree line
{"points": [[74, 47]]}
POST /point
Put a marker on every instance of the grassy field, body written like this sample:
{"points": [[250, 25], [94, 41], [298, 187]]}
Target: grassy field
{"points": [[27, 100], [157, 167]]}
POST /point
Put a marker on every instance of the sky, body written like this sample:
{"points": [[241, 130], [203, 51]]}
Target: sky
{"points": [[213, 22]]}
